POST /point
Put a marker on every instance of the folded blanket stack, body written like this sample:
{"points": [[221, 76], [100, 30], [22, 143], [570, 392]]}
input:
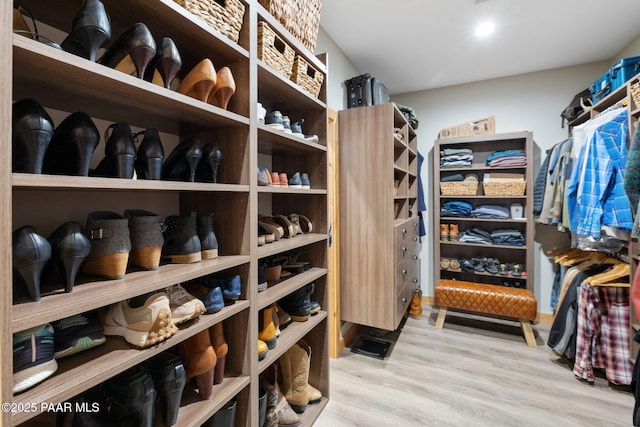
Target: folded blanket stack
{"points": [[455, 157], [507, 158]]}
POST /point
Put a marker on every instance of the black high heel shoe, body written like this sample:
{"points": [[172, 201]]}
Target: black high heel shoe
{"points": [[32, 130], [150, 156], [31, 252], [120, 153], [207, 170], [165, 65], [90, 31], [69, 249], [182, 162], [132, 51], [72, 145]]}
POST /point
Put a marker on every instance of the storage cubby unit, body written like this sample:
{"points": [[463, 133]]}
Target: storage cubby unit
{"points": [[482, 146], [378, 215], [64, 83]]}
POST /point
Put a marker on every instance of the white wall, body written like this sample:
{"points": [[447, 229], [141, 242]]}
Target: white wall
{"points": [[340, 69]]}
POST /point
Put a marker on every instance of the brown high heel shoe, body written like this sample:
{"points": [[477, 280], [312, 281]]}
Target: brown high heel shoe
{"points": [[200, 81], [199, 361], [220, 346], [224, 90]]}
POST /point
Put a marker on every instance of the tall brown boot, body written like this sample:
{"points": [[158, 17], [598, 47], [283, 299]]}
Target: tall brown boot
{"points": [[415, 309], [199, 361], [221, 348], [279, 412], [294, 366]]}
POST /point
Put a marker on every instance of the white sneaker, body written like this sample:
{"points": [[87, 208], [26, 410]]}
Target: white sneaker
{"points": [[141, 326], [184, 306]]}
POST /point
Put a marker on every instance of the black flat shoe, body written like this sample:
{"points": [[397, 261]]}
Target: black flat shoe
{"points": [[207, 170], [182, 162], [132, 51], [165, 64], [90, 31], [150, 156], [170, 378], [32, 130], [120, 153], [69, 248], [31, 252], [72, 145], [131, 397]]}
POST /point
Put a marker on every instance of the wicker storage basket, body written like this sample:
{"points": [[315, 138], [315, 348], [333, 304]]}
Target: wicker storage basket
{"points": [[300, 17], [635, 93], [274, 51], [307, 77], [504, 188], [227, 19], [459, 188]]}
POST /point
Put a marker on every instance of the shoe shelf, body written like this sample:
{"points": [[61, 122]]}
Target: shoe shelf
{"points": [[477, 273], [286, 244], [290, 335], [194, 411], [91, 295], [285, 287], [64, 83], [32, 181], [283, 91], [82, 371], [481, 245], [272, 140], [108, 94]]}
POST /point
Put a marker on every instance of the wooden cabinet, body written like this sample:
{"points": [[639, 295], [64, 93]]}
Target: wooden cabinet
{"points": [[448, 250], [64, 83], [380, 265]]}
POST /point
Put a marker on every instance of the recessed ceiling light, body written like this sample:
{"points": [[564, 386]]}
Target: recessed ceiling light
{"points": [[485, 28]]}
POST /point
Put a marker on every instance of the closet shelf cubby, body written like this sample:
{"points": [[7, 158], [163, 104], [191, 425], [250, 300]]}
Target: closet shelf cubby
{"points": [[64, 83]]}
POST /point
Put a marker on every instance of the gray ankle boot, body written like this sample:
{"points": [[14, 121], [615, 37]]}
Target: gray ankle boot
{"points": [[145, 229], [110, 244]]}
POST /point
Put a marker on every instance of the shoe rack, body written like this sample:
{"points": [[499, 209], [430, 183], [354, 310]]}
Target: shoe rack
{"points": [[379, 179], [64, 83], [482, 146]]}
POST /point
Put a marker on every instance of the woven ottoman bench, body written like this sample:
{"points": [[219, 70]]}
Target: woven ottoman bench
{"points": [[501, 301]]}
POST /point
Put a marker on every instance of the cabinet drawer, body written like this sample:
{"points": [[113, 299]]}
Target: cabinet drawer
{"points": [[401, 253], [400, 277], [400, 233], [403, 299]]}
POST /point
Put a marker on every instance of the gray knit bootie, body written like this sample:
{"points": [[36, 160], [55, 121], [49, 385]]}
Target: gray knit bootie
{"points": [[145, 229], [110, 244]]}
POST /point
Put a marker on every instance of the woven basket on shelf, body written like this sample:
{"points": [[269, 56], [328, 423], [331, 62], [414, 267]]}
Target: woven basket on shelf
{"points": [[274, 51], [504, 188], [227, 19], [459, 188], [300, 17], [635, 93], [307, 77]]}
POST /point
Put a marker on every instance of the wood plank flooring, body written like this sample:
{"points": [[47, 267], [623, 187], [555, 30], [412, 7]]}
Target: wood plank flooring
{"points": [[474, 372]]}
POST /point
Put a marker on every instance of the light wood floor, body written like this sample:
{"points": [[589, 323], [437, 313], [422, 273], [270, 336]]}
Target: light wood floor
{"points": [[468, 376]]}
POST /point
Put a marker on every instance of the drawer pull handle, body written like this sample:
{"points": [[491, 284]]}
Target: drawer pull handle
{"points": [[404, 231], [404, 300], [415, 238], [404, 249], [404, 271], [415, 257], [415, 280]]}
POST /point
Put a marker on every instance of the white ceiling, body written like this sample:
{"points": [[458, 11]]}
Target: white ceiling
{"points": [[411, 45]]}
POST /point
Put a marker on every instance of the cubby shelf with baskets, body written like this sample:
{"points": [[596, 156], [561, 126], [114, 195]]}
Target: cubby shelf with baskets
{"points": [[64, 83], [474, 193]]}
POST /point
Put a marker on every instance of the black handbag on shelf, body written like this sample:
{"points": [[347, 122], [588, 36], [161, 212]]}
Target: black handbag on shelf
{"points": [[578, 104]]}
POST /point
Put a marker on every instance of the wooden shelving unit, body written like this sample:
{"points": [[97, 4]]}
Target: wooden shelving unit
{"points": [[378, 215], [64, 83], [482, 146]]}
